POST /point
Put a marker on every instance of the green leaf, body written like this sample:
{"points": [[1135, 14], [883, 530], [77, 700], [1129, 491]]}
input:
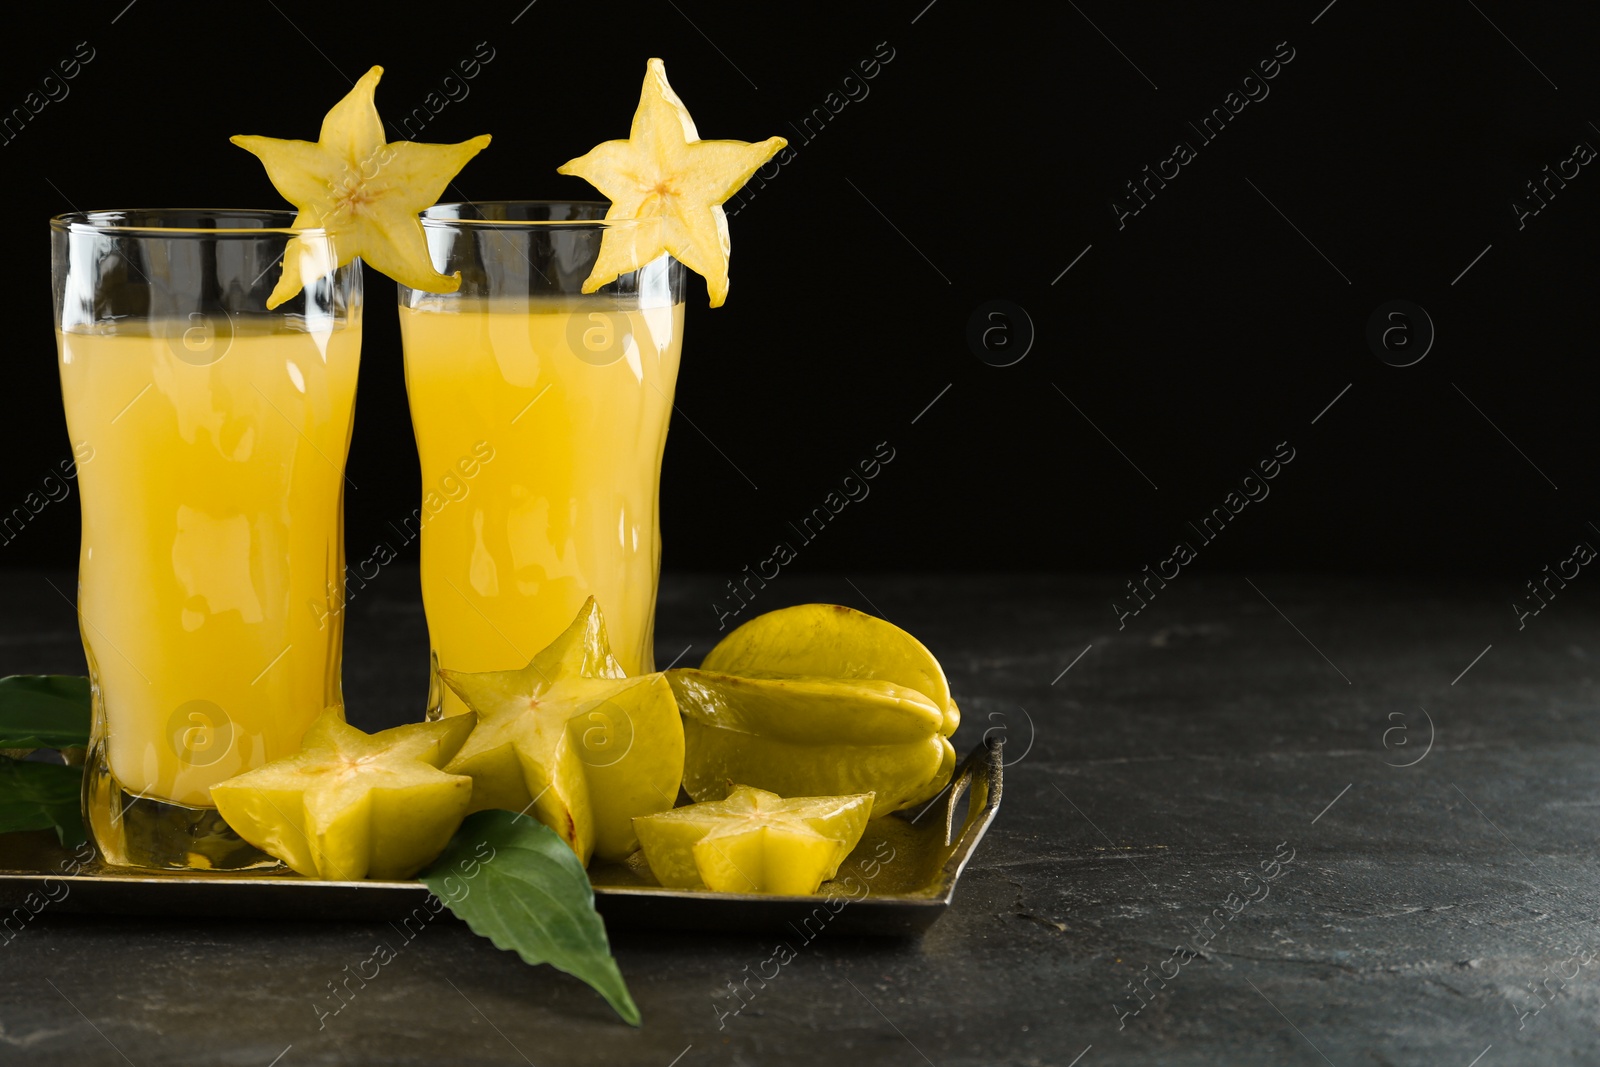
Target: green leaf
{"points": [[512, 880], [41, 796], [44, 711]]}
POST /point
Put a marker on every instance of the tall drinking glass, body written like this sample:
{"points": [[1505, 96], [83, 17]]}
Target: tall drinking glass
{"points": [[210, 436], [540, 415]]}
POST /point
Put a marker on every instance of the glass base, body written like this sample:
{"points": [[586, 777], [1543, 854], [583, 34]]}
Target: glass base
{"points": [[436, 688], [131, 830]]}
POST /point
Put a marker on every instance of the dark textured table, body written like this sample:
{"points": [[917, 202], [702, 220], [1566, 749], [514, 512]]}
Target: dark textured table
{"points": [[1211, 851]]}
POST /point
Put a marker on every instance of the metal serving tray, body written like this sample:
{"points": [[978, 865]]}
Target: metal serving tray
{"points": [[897, 881]]}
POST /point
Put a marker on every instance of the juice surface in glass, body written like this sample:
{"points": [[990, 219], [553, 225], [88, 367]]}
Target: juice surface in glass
{"points": [[540, 470], [212, 498]]}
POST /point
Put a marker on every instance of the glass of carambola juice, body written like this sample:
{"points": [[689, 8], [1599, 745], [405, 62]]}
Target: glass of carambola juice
{"points": [[540, 415], [212, 559]]}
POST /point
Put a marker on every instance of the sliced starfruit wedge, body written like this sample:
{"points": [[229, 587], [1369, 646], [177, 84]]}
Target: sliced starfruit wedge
{"points": [[574, 740], [351, 805], [674, 183], [754, 841], [818, 699], [364, 190]]}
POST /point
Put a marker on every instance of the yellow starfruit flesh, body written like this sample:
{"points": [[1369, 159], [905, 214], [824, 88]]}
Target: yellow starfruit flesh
{"points": [[573, 740], [754, 841], [351, 805], [364, 190], [673, 184]]}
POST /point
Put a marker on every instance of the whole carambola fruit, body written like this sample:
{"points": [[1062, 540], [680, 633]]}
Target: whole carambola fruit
{"points": [[818, 700]]}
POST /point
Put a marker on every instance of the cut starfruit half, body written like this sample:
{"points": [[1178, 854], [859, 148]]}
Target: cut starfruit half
{"points": [[673, 183], [364, 190], [351, 805], [573, 740], [754, 841]]}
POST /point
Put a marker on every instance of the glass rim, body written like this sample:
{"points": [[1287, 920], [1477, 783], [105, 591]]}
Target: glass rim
{"points": [[441, 222], [279, 221]]}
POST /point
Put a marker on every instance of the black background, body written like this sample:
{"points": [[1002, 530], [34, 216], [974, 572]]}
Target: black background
{"points": [[982, 161]]}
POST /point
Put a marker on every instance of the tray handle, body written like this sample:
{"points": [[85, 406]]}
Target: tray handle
{"points": [[979, 775]]}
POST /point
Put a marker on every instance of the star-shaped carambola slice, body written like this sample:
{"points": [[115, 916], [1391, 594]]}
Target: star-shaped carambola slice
{"points": [[352, 805], [364, 190], [754, 841], [573, 739], [674, 183]]}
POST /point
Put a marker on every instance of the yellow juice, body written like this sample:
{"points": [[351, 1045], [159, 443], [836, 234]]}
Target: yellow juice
{"points": [[570, 399], [212, 502]]}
